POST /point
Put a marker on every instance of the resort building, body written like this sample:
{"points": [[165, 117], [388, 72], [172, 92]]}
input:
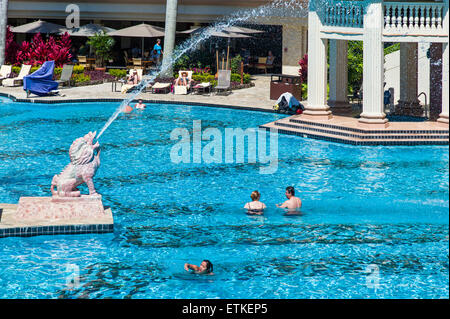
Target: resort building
{"points": [[120, 14], [410, 23]]}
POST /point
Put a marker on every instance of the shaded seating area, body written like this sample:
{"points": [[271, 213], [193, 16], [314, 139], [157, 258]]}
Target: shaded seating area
{"points": [[17, 81]]}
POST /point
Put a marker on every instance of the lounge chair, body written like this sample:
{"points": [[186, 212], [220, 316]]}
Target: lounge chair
{"points": [[202, 87], [5, 71], [17, 81], [66, 75], [159, 87], [41, 82], [223, 81], [183, 89]]}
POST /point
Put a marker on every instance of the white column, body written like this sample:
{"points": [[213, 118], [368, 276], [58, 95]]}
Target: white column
{"points": [[3, 21], [338, 53], [373, 67], [316, 107], [443, 117], [408, 103], [169, 38]]}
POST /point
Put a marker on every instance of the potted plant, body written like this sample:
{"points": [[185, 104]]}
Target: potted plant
{"points": [[102, 45]]}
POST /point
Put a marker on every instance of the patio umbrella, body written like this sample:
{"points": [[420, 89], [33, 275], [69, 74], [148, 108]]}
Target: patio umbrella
{"points": [[142, 30], [39, 26], [88, 30]]}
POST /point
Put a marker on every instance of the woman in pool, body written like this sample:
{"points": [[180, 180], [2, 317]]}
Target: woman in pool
{"points": [[255, 207], [140, 105], [205, 268]]}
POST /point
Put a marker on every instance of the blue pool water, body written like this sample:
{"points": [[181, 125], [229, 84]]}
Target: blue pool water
{"points": [[382, 208]]}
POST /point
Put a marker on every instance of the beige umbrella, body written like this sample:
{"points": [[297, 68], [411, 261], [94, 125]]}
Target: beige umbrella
{"points": [[89, 30], [39, 26], [142, 30]]}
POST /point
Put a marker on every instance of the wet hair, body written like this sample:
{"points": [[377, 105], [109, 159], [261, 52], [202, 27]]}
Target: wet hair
{"points": [[255, 195], [209, 266], [291, 190]]}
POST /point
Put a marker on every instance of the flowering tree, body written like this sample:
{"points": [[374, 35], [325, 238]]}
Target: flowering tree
{"points": [[303, 71], [38, 50], [11, 47]]}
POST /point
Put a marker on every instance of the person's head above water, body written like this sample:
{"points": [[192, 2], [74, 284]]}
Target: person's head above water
{"points": [[206, 266], [290, 191], [255, 195]]}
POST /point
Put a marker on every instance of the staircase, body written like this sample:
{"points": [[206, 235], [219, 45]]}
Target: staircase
{"points": [[346, 130]]}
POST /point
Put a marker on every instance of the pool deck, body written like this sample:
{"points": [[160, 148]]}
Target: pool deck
{"points": [[10, 226], [342, 128]]}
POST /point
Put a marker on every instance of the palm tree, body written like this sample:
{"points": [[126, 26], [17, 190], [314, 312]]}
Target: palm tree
{"points": [[169, 38], [3, 20]]}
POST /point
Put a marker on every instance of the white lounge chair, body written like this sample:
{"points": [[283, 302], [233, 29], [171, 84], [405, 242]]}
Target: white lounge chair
{"points": [[183, 89], [17, 81], [5, 71], [159, 87], [202, 87], [127, 87]]}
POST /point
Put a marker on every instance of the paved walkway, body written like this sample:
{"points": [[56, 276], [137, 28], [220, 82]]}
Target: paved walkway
{"points": [[254, 97]]}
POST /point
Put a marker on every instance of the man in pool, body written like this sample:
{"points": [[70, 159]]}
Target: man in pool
{"points": [[293, 203], [205, 268]]}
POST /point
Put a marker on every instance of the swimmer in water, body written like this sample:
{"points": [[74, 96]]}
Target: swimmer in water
{"points": [[205, 268], [140, 105], [255, 207], [128, 109], [293, 203]]}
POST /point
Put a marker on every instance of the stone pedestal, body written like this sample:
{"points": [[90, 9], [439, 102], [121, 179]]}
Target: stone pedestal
{"points": [[60, 208]]}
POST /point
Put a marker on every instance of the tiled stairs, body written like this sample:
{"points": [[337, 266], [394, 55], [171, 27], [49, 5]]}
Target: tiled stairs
{"points": [[350, 134]]}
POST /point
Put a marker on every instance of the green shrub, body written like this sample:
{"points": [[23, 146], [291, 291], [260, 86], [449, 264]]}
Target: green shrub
{"points": [[118, 73], [235, 64], [304, 91], [81, 78], [391, 48], [202, 77], [247, 78], [16, 69], [77, 69]]}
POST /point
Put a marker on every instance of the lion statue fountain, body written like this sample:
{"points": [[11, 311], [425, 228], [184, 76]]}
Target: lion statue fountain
{"points": [[81, 169]]}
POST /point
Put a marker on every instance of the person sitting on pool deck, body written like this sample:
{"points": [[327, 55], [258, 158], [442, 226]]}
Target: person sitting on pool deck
{"points": [[205, 268], [183, 80], [140, 105], [255, 207], [293, 203]]}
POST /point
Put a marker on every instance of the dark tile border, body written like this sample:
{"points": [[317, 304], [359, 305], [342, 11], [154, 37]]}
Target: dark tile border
{"points": [[56, 230], [247, 108]]}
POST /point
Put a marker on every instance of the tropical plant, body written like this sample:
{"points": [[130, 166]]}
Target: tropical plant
{"points": [[11, 47], [303, 71], [102, 45], [38, 51]]}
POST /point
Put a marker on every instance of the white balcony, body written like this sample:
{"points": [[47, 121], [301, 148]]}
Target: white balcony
{"points": [[402, 20]]}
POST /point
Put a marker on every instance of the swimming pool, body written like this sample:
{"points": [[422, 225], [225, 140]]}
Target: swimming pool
{"points": [[375, 222]]}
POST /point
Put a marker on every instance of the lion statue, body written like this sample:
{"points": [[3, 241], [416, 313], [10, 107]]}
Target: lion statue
{"points": [[82, 168]]}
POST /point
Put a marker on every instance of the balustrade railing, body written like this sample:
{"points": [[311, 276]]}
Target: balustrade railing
{"points": [[409, 17]]}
